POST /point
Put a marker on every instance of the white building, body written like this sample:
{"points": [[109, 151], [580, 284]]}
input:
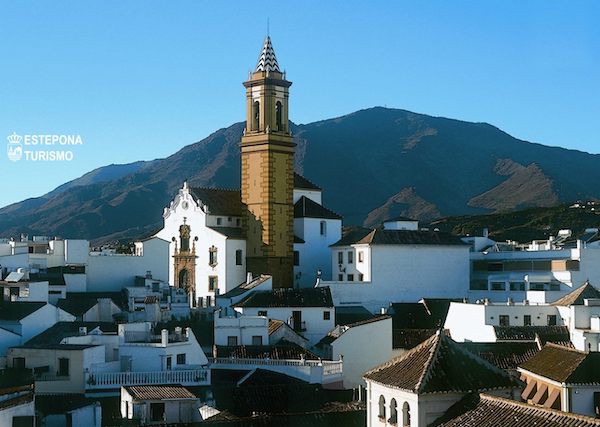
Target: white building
{"points": [[576, 315], [20, 321], [563, 378], [397, 263], [315, 229], [157, 405], [361, 345], [418, 387], [17, 406], [309, 312], [541, 271]]}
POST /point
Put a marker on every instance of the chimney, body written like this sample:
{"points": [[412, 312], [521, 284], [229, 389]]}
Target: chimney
{"points": [[486, 301], [148, 274], [509, 301], [383, 310], [249, 277], [164, 337], [486, 232]]}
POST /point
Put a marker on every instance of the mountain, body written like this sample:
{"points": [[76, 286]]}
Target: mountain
{"points": [[527, 224], [372, 164]]}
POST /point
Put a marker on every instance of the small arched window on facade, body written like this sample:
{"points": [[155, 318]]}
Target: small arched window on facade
{"points": [[279, 116], [255, 115], [382, 407], [393, 412], [406, 415]]}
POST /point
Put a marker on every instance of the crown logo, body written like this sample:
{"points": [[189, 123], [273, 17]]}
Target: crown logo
{"points": [[14, 149]]}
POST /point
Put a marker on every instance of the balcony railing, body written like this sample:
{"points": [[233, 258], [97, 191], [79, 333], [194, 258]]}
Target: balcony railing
{"points": [[111, 380], [146, 337]]}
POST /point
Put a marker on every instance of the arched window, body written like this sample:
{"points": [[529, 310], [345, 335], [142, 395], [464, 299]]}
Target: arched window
{"points": [[393, 412], [279, 116], [406, 415], [382, 407], [255, 115]]}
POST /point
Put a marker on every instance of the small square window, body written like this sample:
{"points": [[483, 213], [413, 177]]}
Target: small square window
{"points": [[232, 341], [326, 315], [238, 222], [257, 340], [238, 257], [527, 320], [350, 257], [351, 277], [361, 256], [361, 277], [296, 258], [219, 221], [504, 320], [552, 320], [181, 359], [340, 277], [213, 283], [323, 228], [262, 313], [340, 257]]}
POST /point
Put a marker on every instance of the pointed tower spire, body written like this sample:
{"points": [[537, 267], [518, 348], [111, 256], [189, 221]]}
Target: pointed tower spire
{"points": [[267, 60]]}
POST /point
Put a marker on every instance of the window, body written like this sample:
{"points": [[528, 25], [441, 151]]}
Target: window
{"points": [[63, 367], [296, 258], [213, 283], [340, 277], [212, 256], [169, 363], [228, 219], [504, 320], [478, 285], [255, 115], [340, 257], [406, 415], [219, 221], [231, 341], [181, 359], [552, 320], [19, 363], [238, 222], [157, 411], [382, 407], [350, 257], [498, 286], [393, 412], [517, 286], [238, 257], [326, 315], [361, 256], [323, 228], [278, 116], [256, 340], [262, 313], [527, 320], [361, 277], [351, 277]]}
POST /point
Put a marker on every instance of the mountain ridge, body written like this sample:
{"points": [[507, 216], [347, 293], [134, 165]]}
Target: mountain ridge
{"points": [[370, 163]]}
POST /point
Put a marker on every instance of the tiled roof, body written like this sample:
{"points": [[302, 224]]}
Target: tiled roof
{"points": [[286, 297], [555, 334], [219, 201], [565, 364], [410, 338], [61, 330], [245, 287], [159, 392], [339, 330], [380, 236], [504, 355], [282, 350], [401, 218], [78, 303], [302, 183], [274, 325], [429, 313], [481, 410], [231, 232], [440, 365], [367, 321], [307, 208], [345, 315], [267, 60], [577, 297], [352, 235], [18, 310]]}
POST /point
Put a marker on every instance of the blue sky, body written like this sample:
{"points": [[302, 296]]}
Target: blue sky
{"points": [[138, 80]]}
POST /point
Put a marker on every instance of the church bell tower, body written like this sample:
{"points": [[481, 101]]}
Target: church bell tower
{"points": [[267, 157]]}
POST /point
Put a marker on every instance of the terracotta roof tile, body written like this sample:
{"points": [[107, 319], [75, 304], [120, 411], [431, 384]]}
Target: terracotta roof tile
{"points": [[159, 392], [219, 201], [481, 410], [565, 364], [577, 297], [287, 297], [440, 365], [307, 208]]}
